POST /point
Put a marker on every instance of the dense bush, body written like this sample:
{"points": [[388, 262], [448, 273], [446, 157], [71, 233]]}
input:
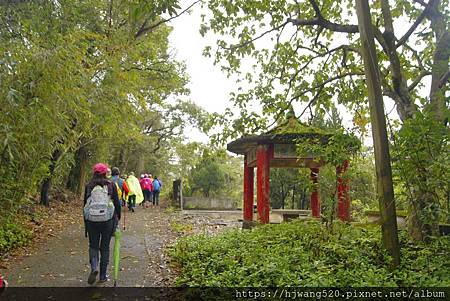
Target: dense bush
{"points": [[13, 235], [303, 253]]}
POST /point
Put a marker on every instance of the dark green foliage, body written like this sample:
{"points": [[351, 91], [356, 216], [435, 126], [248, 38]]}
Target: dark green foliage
{"points": [[216, 174], [83, 82], [289, 188], [209, 176], [13, 235], [304, 253], [421, 160]]}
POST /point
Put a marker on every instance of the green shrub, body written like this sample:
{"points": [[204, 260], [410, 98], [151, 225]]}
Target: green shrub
{"points": [[13, 235], [303, 253]]}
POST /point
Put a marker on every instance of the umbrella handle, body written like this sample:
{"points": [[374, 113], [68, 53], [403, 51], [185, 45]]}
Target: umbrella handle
{"points": [[124, 218]]}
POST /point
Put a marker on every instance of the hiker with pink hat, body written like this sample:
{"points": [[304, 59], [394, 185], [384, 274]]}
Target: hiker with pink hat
{"points": [[101, 215]]}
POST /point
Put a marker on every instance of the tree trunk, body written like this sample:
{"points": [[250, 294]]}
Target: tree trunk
{"points": [[293, 199], [420, 229], [47, 182], [77, 175], [440, 68], [405, 105], [305, 200], [123, 162], [385, 189], [448, 206], [140, 163], [423, 222]]}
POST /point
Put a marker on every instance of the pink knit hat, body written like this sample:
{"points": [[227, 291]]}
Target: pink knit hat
{"points": [[100, 168]]}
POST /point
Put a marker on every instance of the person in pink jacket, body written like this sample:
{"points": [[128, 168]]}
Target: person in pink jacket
{"points": [[146, 186]]}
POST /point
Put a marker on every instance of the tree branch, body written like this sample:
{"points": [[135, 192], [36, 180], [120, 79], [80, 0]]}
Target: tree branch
{"points": [[418, 79], [144, 29], [147, 69], [444, 79], [338, 28], [420, 2], [325, 24], [343, 47], [233, 47], [312, 101], [416, 23], [340, 76], [416, 55], [316, 8]]}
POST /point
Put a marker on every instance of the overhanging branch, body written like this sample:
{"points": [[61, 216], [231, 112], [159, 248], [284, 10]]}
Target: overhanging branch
{"points": [[144, 29], [444, 79], [416, 23], [233, 47], [418, 79], [340, 76]]}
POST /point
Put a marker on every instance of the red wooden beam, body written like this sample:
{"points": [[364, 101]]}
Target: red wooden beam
{"points": [[315, 202], [262, 181], [248, 191], [343, 210]]}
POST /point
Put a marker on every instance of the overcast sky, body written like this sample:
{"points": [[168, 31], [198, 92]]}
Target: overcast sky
{"points": [[209, 86]]}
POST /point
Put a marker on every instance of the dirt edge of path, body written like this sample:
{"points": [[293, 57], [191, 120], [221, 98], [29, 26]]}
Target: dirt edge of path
{"points": [[44, 223]]}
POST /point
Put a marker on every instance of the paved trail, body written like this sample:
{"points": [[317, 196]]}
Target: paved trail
{"points": [[63, 260]]}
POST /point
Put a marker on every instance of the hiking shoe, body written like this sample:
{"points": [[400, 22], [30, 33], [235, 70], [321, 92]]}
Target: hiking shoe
{"points": [[92, 277], [103, 279]]}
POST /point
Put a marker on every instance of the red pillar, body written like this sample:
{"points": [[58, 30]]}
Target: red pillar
{"points": [[248, 191], [315, 202], [262, 181], [343, 210]]}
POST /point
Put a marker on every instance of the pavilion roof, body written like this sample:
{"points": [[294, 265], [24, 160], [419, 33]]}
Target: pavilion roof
{"points": [[291, 131], [244, 144]]}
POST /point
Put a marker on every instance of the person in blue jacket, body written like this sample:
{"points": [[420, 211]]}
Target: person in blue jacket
{"points": [[156, 190]]}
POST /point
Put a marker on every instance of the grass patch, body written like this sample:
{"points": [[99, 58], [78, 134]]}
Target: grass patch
{"points": [[170, 209], [181, 228], [304, 253]]}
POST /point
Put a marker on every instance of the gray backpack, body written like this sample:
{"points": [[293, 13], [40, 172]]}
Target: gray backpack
{"points": [[99, 206]]}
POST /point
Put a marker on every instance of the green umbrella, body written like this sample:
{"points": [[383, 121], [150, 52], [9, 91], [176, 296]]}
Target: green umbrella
{"points": [[117, 236]]}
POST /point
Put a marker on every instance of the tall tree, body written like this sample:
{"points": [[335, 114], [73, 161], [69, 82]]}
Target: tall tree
{"points": [[307, 52], [385, 187], [102, 65]]}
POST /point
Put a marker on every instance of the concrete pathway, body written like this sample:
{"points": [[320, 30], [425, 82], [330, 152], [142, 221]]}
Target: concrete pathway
{"points": [[63, 260]]}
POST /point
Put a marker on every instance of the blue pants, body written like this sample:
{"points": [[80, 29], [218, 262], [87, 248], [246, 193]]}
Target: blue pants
{"points": [[147, 195], [99, 238], [155, 197]]}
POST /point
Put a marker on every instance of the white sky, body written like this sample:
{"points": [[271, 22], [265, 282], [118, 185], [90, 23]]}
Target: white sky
{"points": [[210, 88]]}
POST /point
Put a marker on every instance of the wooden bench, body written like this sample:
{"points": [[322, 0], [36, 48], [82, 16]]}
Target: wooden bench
{"points": [[290, 214]]}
